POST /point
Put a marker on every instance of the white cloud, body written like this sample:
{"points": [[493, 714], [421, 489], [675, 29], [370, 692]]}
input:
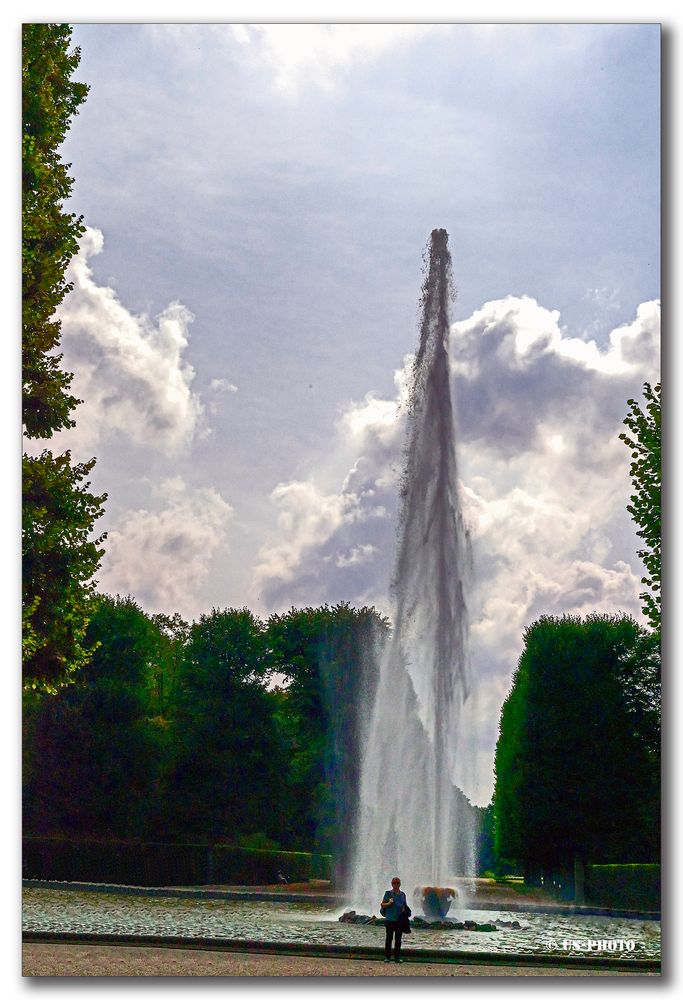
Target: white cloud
{"points": [[218, 387], [128, 369], [637, 344], [162, 556], [300, 55], [308, 521], [547, 479], [518, 334], [520, 375], [357, 556], [222, 385], [373, 416], [293, 56], [343, 531]]}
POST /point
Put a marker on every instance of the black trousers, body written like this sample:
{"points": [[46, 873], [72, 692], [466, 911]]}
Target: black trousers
{"points": [[394, 931]]}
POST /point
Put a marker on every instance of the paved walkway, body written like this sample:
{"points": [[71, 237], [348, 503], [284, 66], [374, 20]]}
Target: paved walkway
{"points": [[123, 960]]}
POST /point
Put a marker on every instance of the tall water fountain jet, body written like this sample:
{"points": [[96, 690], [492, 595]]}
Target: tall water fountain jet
{"points": [[412, 818]]}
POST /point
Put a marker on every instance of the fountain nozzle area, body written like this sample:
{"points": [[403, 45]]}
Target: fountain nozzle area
{"points": [[436, 900]]}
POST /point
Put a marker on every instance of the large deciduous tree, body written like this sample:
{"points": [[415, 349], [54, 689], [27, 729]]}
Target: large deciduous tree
{"points": [[59, 554], [645, 442], [226, 780], [577, 760]]}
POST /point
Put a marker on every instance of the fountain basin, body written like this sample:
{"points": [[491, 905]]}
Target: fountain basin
{"points": [[436, 900], [274, 923]]}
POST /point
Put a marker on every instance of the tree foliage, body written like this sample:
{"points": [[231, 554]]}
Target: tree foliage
{"points": [[228, 729], [577, 756], [59, 558], [329, 657], [93, 757], [645, 442], [49, 234], [165, 669], [225, 778]]}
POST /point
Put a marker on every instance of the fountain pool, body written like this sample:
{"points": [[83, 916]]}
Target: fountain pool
{"points": [[83, 912]]}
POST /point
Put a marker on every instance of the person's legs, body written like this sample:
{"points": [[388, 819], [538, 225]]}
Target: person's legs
{"points": [[390, 927], [397, 943]]}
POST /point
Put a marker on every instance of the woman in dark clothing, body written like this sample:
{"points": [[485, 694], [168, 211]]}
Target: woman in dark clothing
{"points": [[392, 906]]}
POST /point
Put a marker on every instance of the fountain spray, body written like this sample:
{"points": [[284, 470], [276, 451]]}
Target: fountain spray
{"points": [[410, 818]]}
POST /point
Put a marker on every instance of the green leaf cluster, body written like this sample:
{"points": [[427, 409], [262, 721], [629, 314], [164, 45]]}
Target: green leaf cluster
{"points": [[644, 439], [59, 559], [49, 234]]}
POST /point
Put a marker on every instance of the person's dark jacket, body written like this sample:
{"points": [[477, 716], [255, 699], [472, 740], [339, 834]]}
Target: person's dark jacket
{"points": [[404, 919]]}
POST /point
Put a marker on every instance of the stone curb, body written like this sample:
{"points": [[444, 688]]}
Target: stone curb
{"points": [[295, 948], [328, 899]]}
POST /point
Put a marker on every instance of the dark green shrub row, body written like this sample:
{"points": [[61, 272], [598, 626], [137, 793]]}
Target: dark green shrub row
{"points": [[624, 887], [127, 863]]}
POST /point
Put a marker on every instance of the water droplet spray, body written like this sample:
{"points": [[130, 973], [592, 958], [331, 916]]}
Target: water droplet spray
{"points": [[410, 818]]}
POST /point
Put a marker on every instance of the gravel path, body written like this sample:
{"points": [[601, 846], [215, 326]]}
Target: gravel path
{"points": [[122, 960]]}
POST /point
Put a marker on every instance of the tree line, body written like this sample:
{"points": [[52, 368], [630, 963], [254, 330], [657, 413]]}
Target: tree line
{"points": [[228, 729]]}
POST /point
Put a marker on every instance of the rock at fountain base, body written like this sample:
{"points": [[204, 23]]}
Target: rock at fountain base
{"points": [[351, 917]]}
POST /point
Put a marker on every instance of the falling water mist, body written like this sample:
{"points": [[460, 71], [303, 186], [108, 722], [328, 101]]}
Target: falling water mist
{"points": [[413, 821]]}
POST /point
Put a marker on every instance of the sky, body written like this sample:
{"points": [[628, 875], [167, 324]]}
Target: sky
{"points": [[258, 199]]}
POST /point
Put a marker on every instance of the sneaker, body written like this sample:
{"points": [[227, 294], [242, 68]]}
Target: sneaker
{"points": [[387, 959], [399, 961]]}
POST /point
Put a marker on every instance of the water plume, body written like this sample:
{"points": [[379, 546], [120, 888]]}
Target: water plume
{"points": [[413, 820]]}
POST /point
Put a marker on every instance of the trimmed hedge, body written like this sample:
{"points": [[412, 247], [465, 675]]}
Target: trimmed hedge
{"points": [[624, 887], [124, 863]]}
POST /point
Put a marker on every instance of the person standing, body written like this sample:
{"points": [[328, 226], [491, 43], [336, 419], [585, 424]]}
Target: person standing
{"points": [[393, 904]]}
